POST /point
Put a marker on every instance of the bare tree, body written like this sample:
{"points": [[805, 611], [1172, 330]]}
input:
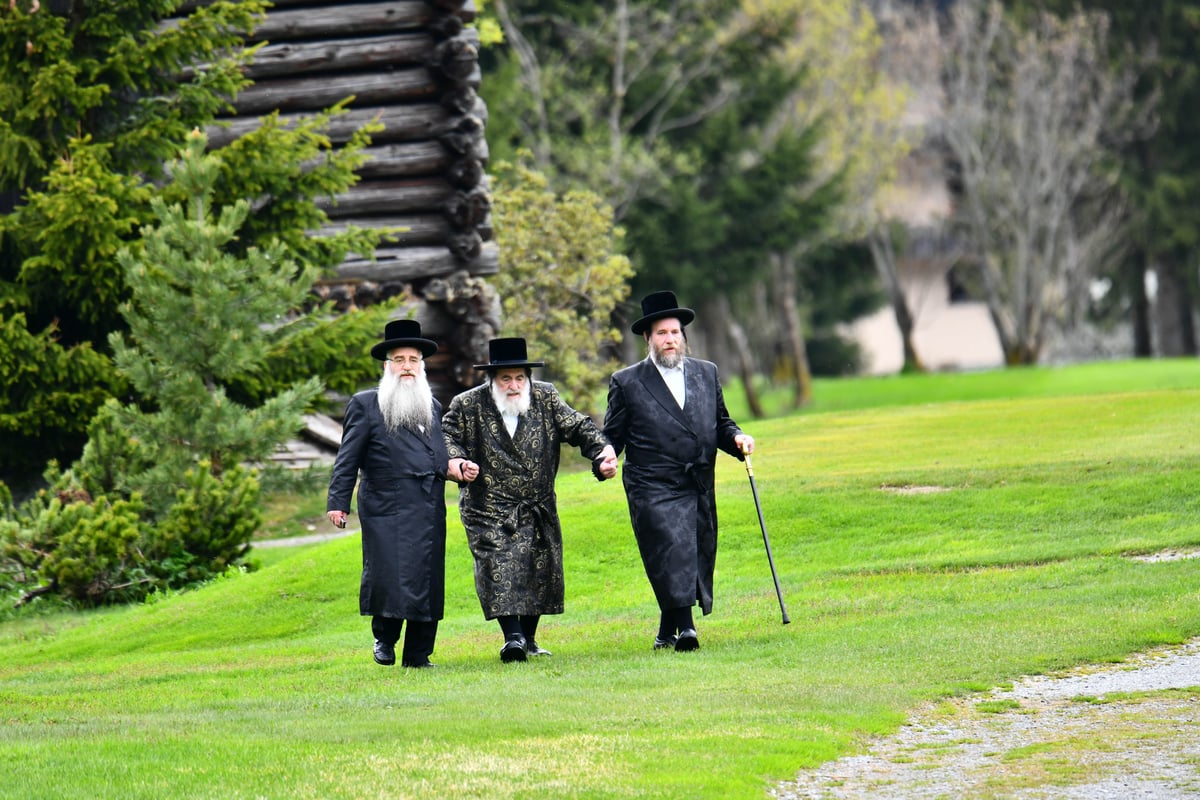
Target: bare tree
{"points": [[667, 50], [909, 60], [859, 107], [1031, 121]]}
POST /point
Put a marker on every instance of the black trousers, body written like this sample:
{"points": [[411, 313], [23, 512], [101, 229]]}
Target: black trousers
{"points": [[418, 639]]}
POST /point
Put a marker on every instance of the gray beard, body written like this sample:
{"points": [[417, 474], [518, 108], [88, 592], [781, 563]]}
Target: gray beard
{"points": [[508, 405], [670, 361], [406, 405]]}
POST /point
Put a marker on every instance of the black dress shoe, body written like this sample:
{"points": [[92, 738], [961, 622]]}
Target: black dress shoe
{"points": [[533, 649], [687, 640], [664, 644], [513, 650], [418, 664], [385, 654]]}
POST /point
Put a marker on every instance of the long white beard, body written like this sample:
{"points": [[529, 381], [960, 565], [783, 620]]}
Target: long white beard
{"points": [[668, 360], [406, 404], [511, 405]]}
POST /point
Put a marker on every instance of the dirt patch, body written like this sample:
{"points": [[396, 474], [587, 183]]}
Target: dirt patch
{"points": [[1169, 555], [910, 489]]}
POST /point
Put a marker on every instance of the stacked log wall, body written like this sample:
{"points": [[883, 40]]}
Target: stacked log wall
{"points": [[413, 68]]}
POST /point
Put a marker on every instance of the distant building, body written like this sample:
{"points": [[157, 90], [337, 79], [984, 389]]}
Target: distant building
{"points": [[952, 329]]}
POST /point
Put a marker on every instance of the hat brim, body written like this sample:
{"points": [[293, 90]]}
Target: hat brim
{"points": [[427, 347], [684, 315], [495, 365]]}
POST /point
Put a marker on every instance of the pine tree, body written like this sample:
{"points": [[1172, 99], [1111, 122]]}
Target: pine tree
{"points": [[200, 317], [167, 490], [96, 98]]}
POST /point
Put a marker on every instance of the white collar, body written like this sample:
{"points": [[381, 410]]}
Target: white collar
{"points": [[665, 371]]}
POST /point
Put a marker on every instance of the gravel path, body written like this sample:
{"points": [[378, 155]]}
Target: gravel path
{"points": [[295, 541], [1091, 733]]}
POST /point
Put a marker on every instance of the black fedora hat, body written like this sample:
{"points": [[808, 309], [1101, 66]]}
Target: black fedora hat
{"points": [[508, 354], [403, 333], [660, 305]]}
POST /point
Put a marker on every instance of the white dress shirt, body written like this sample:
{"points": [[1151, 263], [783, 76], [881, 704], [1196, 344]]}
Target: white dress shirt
{"points": [[510, 423], [674, 381]]}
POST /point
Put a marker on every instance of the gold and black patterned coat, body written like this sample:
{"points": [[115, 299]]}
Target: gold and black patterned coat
{"points": [[509, 511]]}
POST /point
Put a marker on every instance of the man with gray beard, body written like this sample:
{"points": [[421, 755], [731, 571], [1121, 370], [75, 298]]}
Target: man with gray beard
{"points": [[392, 447], [503, 438], [668, 415]]}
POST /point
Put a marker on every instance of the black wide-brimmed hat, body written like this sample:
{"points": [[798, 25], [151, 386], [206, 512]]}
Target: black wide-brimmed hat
{"points": [[507, 354], [661, 305], [403, 333]]}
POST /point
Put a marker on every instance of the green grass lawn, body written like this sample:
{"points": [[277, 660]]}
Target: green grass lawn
{"points": [[934, 535]]}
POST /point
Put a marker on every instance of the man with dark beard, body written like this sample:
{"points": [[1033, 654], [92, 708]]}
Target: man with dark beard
{"points": [[668, 414], [392, 445], [503, 438]]}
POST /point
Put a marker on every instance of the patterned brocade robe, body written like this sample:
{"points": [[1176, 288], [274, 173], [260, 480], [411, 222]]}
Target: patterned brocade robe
{"points": [[510, 512]]}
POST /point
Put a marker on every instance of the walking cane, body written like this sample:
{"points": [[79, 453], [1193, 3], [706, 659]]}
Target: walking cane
{"points": [[766, 541]]}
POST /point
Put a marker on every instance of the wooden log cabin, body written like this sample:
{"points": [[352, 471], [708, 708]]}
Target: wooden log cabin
{"points": [[412, 66]]}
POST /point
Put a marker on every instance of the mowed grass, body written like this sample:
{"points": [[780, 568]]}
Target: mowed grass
{"points": [[933, 543]]}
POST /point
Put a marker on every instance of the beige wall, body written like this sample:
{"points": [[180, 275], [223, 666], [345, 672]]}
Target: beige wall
{"points": [[947, 336]]}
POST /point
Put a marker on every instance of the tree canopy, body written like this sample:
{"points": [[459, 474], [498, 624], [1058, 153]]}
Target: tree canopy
{"points": [[166, 491], [699, 124], [96, 98], [562, 273], [1162, 170]]}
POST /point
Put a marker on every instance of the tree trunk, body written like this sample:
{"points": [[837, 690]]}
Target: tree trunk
{"points": [[745, 358], [1174, 309], [1133, 275], [783, 272], [883, 253]]}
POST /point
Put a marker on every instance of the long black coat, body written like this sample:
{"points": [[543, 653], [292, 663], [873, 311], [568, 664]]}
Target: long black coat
{"points": [[510, 512], [668, 473], [402, 507]]}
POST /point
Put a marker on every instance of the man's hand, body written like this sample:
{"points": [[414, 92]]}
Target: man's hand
{"points": [[608, 462], [338, 518], [463, 470], [745, 443]]}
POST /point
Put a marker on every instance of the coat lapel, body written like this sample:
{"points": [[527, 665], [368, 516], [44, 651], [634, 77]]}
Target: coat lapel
{"points": [[695, 402], [654, 383]]}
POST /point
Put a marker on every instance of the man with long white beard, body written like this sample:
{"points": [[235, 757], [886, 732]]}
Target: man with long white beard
{"points": [[667, 413], [392, 446], [503, 438]]}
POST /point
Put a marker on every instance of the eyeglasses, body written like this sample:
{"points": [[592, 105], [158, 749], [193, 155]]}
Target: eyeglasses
{"points": [[402, 361]]}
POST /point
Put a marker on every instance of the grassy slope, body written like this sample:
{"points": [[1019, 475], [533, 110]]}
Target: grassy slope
{"points": [[262, 685]]}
